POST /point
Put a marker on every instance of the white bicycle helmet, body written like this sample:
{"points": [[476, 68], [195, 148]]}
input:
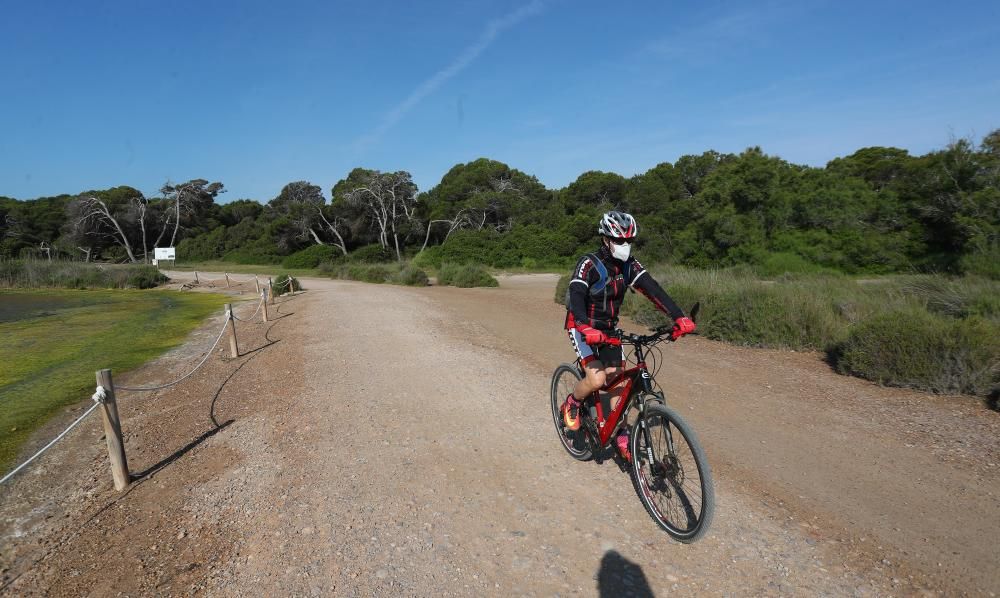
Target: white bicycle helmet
{"points": [[618, 225]]}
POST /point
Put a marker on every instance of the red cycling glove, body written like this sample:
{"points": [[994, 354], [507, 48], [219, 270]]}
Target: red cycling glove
{"points": [[682, 326], [592, 336]]}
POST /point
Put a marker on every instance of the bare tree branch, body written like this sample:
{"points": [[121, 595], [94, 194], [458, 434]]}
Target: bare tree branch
{"points": [[95, 211]]}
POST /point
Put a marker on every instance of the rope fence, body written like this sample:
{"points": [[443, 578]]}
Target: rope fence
{"points": [[187, 375], [260, 304], [105, 396], [230, 280], [51, 443]]}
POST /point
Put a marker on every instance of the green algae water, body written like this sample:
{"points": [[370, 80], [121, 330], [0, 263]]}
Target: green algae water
{"points": [[52, 342]]}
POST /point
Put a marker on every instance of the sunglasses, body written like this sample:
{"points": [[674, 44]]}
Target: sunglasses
{"points": [[620, 241]]}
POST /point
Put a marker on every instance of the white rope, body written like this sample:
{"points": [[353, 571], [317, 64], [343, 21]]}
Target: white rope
{"points": [[100, 394], [187, 375], [99, 397], [242, 281], [254, 314]]}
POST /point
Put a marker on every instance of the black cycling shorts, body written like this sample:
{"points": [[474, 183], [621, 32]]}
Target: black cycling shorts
{"points": [[608, 355]]}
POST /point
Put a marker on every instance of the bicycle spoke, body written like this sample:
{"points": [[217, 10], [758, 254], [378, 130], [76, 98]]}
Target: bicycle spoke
{"points": [[576, 442], [671, 484]]}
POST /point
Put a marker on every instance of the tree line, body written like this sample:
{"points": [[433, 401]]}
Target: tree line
{"points": [[878, 210]]}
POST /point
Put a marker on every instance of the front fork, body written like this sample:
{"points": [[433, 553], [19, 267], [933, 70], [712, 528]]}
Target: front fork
{"points": [[647, 391]]}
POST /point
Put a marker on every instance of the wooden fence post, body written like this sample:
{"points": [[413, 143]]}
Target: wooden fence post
{"points": [[228, 286], [196, 277], [263, 302], [256, 283], [113, 431], [291, 285], [233, 350], [270, 290]]}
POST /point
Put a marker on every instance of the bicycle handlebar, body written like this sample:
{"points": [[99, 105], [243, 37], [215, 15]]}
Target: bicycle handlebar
{"points": [[661, 333]]}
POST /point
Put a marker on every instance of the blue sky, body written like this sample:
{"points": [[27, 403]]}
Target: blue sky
{"points": [[258, 94]]}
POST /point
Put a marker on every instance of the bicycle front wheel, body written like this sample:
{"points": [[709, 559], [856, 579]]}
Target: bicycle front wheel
{"points": [[576, 443], [671, 474]]}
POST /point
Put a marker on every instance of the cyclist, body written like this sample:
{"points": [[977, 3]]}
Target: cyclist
{"points": [[594, 301]]}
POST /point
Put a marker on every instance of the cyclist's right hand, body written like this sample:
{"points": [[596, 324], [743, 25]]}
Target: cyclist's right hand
{"points": [[682, 326], [592, 336]]}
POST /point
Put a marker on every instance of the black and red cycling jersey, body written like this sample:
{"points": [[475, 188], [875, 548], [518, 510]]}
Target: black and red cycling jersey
{"points": [[601, 310]]}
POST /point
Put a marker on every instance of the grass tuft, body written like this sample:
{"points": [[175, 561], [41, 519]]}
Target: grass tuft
{"points": [[393, 273], [466, 276], [37, 274]]}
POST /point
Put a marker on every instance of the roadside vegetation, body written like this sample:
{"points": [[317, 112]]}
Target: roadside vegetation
{"points": [[377, 273], [36, 274], [283, 282], [50, 354], [931, 332], [877, 211], [465, 276], [932, 220]]}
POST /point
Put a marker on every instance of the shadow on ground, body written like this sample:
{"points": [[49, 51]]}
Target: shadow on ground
{"points": [[619, 576]]}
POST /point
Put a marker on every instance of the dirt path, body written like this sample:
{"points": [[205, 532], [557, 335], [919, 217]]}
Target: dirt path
{"points": [[385, 440]]}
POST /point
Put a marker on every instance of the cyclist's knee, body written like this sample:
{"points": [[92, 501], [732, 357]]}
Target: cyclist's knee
{"points": [[596, 378]]}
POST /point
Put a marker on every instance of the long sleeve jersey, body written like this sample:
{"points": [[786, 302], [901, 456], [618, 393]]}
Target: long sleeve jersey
{"points": [[601, 310]]}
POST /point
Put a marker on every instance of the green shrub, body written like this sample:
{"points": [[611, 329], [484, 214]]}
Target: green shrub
{"points": [[428, 258], [955, 297], [446, 274], [770, 265], [561, 288], [371, 254], [377, 273], [143, 277], [983, 263], [914, 348], [243, 256], [312, 257], [468, 247], [78, 275], [466, 276], [410, 276], [281, 281]]}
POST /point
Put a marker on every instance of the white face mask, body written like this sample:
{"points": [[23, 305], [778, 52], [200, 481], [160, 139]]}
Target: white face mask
{"points": [[621, 252]]}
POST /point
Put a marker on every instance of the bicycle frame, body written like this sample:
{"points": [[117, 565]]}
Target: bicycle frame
{"points": [[638, 382]]}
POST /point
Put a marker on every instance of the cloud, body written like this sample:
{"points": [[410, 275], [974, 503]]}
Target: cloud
{"points": [[709, 39], [493, 30]]}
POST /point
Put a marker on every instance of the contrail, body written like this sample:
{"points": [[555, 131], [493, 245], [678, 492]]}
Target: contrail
{"points": [[492, 31]]}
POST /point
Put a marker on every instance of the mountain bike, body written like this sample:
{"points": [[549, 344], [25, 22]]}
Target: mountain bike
{"points": [[668, 466]]}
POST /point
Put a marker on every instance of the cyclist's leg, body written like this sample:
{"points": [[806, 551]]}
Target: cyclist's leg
{"points": [[594, 378], [593, 369], [611, 358], [614, 367]]}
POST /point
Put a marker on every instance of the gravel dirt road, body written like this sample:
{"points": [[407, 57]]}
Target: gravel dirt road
{"points": [[379, 440]]}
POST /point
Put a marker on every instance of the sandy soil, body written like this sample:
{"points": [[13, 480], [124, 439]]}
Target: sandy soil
{"points": [[386, 440]]}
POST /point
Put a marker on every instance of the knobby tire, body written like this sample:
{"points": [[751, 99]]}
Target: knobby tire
{"points": [[577, 443], [677, 489]]}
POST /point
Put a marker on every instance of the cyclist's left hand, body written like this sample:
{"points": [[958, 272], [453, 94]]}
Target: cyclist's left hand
{"points": [[682, 326]]}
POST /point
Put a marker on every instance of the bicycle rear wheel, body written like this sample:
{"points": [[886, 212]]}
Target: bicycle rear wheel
{"points": [[671, 474], [576, 443]]}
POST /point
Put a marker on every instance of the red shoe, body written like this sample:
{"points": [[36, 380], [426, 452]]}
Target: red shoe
{"points": [[622, 442], [571, 413]]}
